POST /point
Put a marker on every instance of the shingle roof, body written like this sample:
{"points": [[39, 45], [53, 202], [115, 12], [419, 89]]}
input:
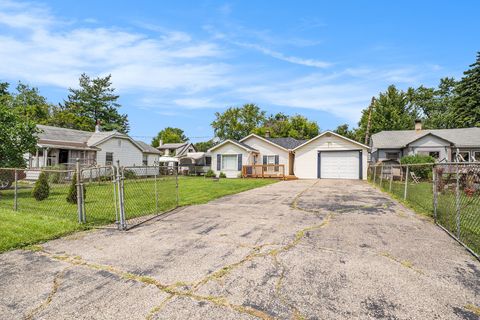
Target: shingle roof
{"points": [[287, 143], [50, 133], [147, 148], [464, 137], [244, 145], [172, 145]]}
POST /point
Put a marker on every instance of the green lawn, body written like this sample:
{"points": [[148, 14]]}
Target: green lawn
{"points": [[420, 199], [37, 221]]}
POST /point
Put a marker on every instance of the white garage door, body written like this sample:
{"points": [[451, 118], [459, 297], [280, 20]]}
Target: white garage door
{"points": [[339, 165]]}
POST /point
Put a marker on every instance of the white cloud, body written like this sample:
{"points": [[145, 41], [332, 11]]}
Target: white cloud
{"points": [[171, 70]]}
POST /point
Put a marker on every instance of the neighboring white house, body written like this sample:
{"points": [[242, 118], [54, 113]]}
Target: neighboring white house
{"points": [[329, 155], [448, 145], [61, 146]]}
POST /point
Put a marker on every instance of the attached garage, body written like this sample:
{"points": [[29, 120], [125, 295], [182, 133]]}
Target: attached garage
{"points": [[331, 156]]}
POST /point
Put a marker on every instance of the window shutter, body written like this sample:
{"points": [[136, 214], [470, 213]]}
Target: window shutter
{"points": [[239, 162], [277, 159], [219, 162], [276, 168], [264, 159]]}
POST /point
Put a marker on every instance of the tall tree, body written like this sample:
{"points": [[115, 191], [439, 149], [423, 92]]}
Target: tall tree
{"points": [[94, 101], [282, 125], [466, 109], [30, 105], [392, 111], [238, 122], [169, 135], [17, 137]]}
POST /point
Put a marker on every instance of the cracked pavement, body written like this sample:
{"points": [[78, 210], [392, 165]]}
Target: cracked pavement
{"points": [[301, 249]]}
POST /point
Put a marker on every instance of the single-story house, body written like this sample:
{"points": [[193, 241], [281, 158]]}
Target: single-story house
{"points": [[328, 155], [446, 145], [62, 146]]}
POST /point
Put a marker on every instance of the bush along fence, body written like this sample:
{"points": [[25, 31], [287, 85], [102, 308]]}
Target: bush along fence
{"points": [[449, 192], [126, 196]]}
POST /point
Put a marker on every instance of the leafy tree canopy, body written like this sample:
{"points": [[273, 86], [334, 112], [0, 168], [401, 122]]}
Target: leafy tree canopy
{"points": [[169, 135], [204, 146], [94, 100], [238, 122], [17, 137]]}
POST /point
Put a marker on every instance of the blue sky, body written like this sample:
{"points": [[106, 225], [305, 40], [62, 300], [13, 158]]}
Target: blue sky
{"points": [[175, 63]]}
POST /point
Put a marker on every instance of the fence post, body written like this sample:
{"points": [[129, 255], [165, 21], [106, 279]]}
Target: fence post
{"points": [[176, 187], [381, 176], [435, 190], [156, 190], [391, 179], [458, 204], [374, 173], [79, 191], [406, 184], [15, 203], [122, 223]]}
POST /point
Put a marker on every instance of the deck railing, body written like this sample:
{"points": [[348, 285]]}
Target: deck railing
{"points": [[263, 171]]}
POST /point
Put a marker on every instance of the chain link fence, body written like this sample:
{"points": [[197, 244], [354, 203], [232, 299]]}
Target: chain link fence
{"points": [[148, 191], [97, 196], [457, 202], [20, 190], [449, 192]]}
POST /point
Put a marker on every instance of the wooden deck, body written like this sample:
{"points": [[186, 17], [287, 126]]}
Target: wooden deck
{"points": [[266, 171]]}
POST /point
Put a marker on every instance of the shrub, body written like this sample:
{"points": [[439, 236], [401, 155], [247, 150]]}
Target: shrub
{"points": [[56, 176], [422, 172], [210, 174], [41, 191], [222, 175], [72, 191], [129, 174]]}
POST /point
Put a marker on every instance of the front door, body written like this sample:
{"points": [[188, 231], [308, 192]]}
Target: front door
{"points": [[63, 156]]}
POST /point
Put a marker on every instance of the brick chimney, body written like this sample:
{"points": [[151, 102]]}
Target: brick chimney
{"points": [[267, 133], [418, 125], [98, 128]]}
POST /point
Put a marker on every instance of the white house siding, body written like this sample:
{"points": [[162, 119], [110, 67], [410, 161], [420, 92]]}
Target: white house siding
{"points": [[267, 149], [152, 159], [128, 153], [230, 148], [306, 157], [430, 143]]}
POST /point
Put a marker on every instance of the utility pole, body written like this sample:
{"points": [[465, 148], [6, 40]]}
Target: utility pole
{"points": [[369, 123]]}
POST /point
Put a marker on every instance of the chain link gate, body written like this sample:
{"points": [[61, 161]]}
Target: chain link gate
{"points": [[146, 192]]}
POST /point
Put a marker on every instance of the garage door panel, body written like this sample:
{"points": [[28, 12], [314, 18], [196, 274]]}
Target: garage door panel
{"points": [[339, 165]]}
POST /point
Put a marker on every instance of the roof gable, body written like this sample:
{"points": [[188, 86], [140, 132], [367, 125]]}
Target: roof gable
{"points": [[334, 134], [427, 135], [235, 142]]}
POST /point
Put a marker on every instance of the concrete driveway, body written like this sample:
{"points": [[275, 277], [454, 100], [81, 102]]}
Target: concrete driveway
{"points": [[293, 250]]}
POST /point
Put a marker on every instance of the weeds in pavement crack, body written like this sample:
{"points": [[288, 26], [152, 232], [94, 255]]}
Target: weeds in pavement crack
{"points": [[405, 263], [56, 284]]}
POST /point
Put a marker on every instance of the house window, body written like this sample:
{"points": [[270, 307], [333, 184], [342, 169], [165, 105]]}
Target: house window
{"points": [[463, 156], [208, 161], [229, 162], [392, 155], [476, 156], [270, 159], [434, 154], [145, 160], [109, 158]]}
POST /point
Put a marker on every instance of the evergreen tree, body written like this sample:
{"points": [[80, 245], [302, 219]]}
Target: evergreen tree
{"points": [[72, 196], [466, 110], [41, 190], [94, 100]]}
